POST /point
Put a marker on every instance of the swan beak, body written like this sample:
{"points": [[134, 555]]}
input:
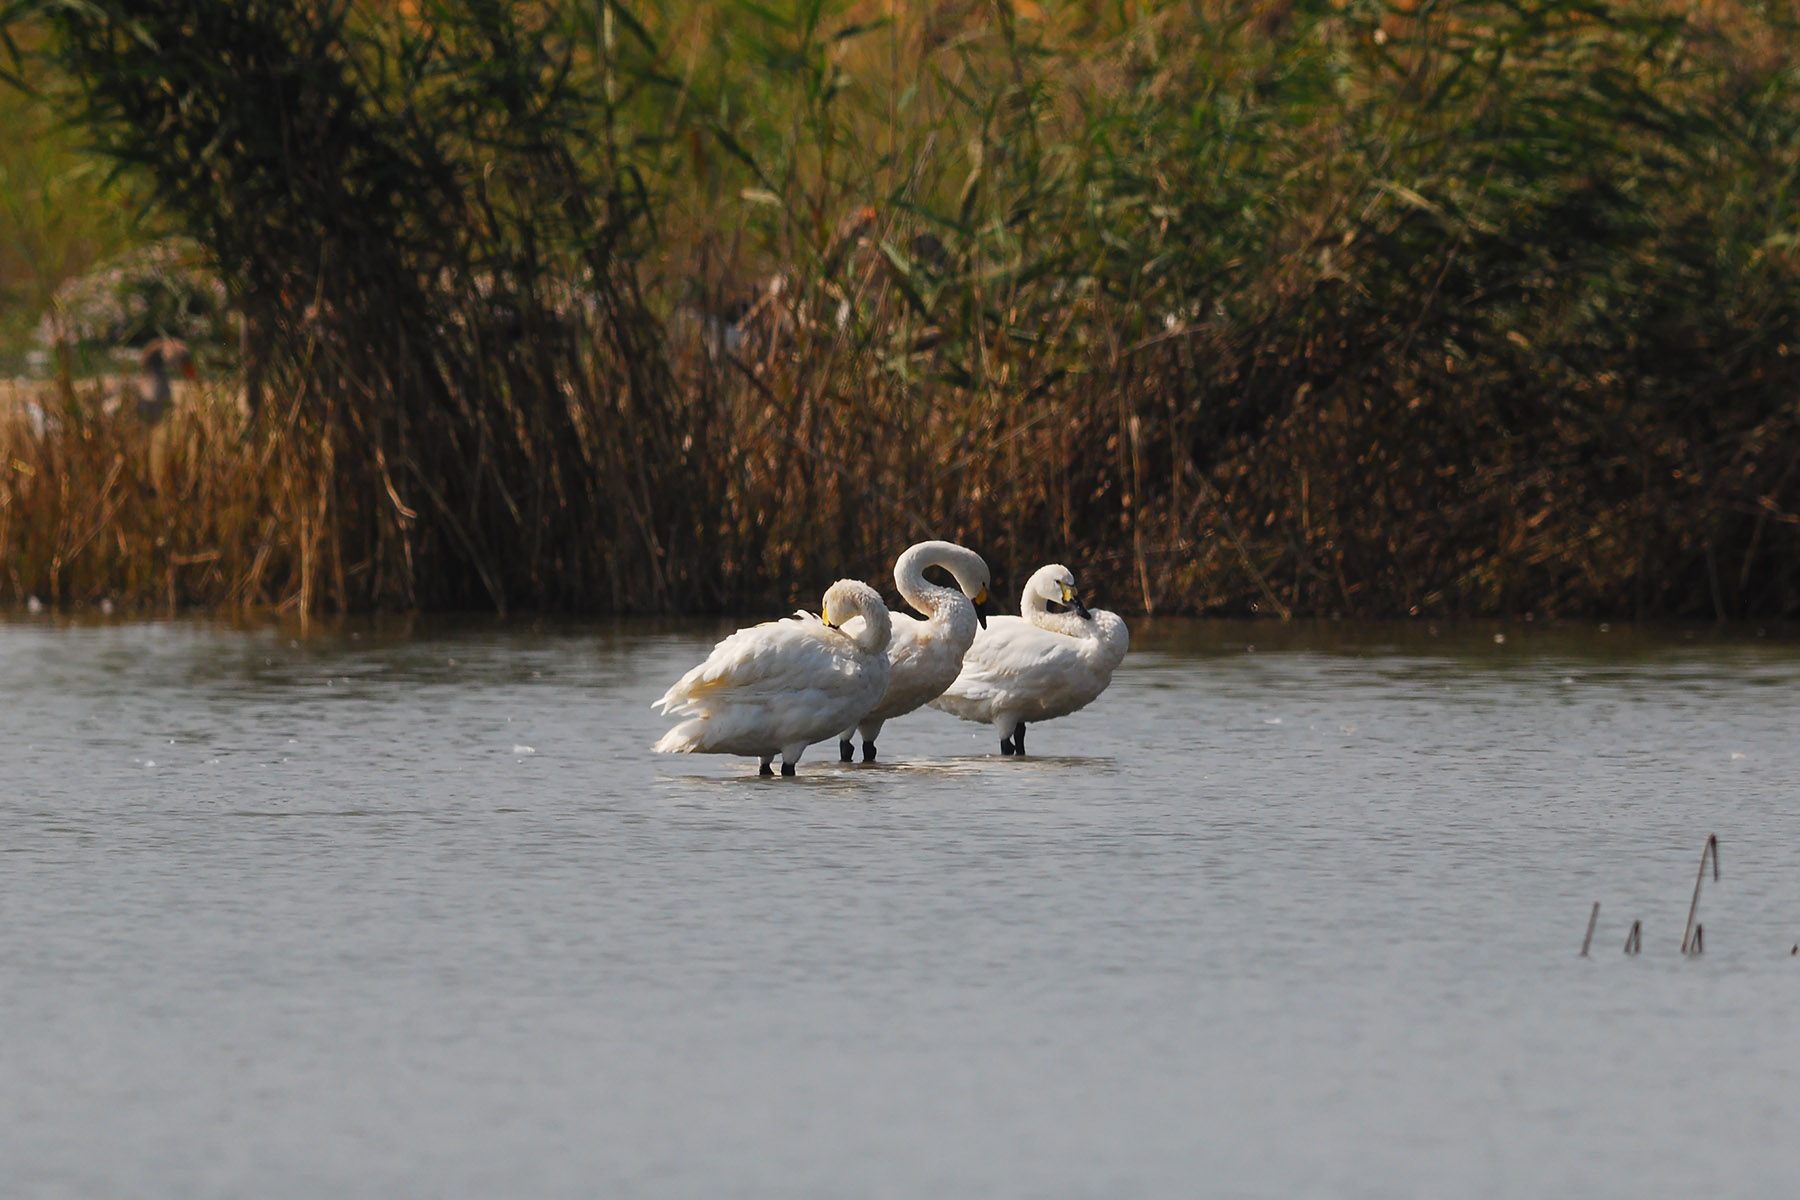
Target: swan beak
{"points": [[1081, 610], [825, 616], [981, 608]]}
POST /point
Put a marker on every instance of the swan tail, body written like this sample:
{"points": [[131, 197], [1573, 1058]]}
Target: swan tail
{"points": [[683, 739], [689, 693]]}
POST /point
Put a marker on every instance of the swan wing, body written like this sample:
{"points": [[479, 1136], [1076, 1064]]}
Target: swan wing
{"points": [[761, 662], [1017, 656], [922, 661], [1111, 638], [772, 687], [909, 642], [1017, 669]]}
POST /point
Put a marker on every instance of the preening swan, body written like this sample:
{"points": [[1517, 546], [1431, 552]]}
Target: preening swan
{"points": [[1044, 664], [778, 687], [924, 656]]}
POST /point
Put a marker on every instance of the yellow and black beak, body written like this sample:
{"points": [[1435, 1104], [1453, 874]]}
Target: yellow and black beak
{"points": [[1072, 598], [981, 601]]}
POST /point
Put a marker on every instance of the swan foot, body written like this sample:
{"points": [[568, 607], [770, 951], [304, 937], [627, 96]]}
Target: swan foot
{"points": [[787, 768], [868, 751], [846, 750], [765, 769], [1006, 747]]}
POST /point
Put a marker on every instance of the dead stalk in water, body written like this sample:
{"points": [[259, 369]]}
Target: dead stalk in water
{"points": [[1688, 935]]}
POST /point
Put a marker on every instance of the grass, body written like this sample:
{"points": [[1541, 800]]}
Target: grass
{"points": [[57, 216], [96, 507], [1273, 308]]}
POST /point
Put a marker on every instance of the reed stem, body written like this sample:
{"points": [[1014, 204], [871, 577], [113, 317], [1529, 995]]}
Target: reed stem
{"points": [[1711, 849], [694, 306]]}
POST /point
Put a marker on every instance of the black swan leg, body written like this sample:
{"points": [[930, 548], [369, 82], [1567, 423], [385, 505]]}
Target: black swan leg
{"points": [[766, 770], [868, 752], [1006, 746], [787, 768], [1019, 739], [846, 750]]}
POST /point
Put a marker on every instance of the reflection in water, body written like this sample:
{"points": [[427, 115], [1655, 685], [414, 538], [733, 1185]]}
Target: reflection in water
{"points": [[1290, 910]]}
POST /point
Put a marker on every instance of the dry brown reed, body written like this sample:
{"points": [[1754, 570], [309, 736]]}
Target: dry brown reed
{"points": [[99, 507], [1276, 309], [1443, 311]]}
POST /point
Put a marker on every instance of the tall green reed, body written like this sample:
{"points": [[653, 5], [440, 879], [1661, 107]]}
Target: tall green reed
{"points": [[1327, 310], [426, 222], [1238, 307]]}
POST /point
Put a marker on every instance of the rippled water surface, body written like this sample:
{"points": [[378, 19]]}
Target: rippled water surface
{"points": [[418, 914]]}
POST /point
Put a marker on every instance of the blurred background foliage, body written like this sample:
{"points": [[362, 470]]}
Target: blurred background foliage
{"points": [[1331, 308]]}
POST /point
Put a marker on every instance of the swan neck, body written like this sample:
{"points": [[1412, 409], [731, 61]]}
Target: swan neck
{"points": [[1036, 609], [909, 577], [877, 629]]}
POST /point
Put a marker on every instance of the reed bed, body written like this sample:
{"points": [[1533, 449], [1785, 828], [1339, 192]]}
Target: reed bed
{"points": [[99, 508], [1277, 308]]}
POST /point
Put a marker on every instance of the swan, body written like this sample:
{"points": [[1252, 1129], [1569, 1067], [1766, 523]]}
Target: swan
{"points": [[1040, 665], [777, 687], [924, 656]]}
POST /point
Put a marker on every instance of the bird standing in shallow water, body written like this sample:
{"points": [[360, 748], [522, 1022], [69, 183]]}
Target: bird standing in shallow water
{"points": [[778, 687], [1053, 659], [924, 656]]}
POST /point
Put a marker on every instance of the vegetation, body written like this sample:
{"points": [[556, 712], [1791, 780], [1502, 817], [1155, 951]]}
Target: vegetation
{"points": [[54, 223], [1284, 308]]}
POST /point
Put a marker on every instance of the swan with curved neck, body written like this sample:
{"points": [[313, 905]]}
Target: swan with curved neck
{"points": [[1052, 659], [924, 656], [778, 687]]}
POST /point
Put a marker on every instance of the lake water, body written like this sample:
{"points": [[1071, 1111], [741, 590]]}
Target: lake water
{"points": [[1289, 912]]}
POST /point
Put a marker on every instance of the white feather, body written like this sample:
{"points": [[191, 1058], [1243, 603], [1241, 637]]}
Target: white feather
{"points": [[775, 688], [925, 656], [1038, 666]]}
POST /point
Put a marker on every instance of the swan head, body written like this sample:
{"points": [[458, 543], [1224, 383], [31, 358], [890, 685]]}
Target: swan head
{"points": [[850, 598], [973, 578], [1055, 584], [968, 568]]}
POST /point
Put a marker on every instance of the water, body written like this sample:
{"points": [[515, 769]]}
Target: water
{"points": [[385, 915]]}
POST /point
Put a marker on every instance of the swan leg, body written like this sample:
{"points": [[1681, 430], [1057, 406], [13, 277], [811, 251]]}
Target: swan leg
{"points": [[847, 750], [870, 731], [1019, 739], [765, 769], [1006, 742], [787, 768], [790, 756]]}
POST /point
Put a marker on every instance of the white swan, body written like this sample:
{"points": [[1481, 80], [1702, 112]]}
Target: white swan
{"points": [[924, 656], [777, 687], [1042, 665]]}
